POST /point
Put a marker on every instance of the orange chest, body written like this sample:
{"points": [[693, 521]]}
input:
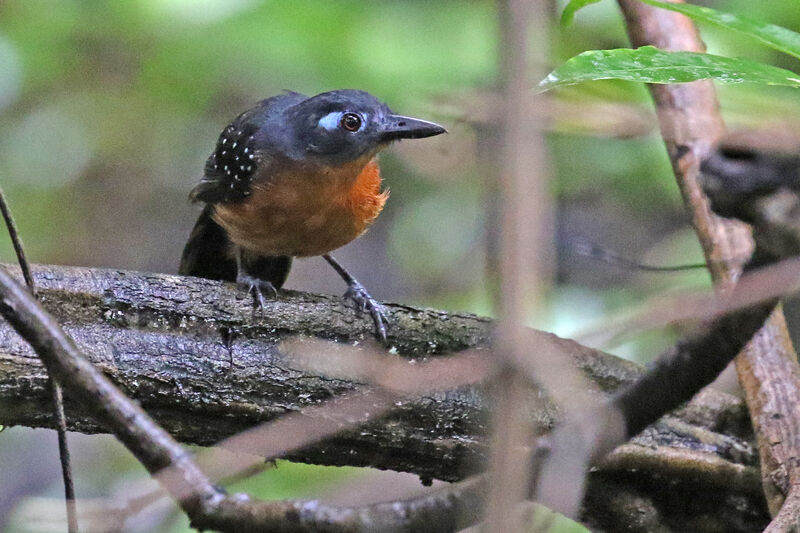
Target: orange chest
{"points": [[304, 214], [363, 199]]}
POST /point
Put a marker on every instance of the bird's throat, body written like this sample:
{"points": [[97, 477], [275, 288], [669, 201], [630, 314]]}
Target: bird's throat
{"points": [[364, 198]]}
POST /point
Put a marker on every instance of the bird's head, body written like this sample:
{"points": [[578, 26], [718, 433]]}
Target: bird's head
{"points": [[345, 125]]}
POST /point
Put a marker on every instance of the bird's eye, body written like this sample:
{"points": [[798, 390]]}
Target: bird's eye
{"points": [[350, 122]]}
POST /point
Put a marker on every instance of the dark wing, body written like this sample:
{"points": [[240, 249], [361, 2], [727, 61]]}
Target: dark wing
{"points": [[230, 168]]}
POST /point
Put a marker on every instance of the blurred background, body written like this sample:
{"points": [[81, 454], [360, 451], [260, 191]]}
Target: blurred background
{"points": [[109, 110]]}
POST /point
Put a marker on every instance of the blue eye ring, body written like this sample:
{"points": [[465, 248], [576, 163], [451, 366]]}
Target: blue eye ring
{"points": [[351, 122]]}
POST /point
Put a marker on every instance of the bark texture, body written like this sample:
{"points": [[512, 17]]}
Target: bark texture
{"points": [[192, 353]]}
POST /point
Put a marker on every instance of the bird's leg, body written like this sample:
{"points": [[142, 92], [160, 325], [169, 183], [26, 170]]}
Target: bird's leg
{"points": [[361, 298], [251, 284]]}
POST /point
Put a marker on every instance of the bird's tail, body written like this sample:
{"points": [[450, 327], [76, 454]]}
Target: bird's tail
{"points": [[210, 254]]}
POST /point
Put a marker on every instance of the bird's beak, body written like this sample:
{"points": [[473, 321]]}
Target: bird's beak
{"points": [[399, 127]]}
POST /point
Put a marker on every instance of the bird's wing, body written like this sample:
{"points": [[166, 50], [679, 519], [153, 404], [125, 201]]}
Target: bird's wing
{"points": [[231, 167]]}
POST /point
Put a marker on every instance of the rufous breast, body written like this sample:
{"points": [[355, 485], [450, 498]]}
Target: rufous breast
{"points": [[306, 213]]}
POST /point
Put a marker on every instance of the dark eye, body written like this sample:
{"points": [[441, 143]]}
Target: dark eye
{"points": [[350, 122]]}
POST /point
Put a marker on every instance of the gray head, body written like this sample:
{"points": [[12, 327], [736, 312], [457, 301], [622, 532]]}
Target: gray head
{"points": [[345, 125]]}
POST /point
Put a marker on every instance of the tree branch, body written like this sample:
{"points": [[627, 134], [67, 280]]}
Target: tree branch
{"points": [[191, 352], [58, 400], [195, 358], [767, 367]]}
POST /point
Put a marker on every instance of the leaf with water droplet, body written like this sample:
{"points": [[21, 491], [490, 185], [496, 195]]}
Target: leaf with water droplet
{"points": [[651, 65], [774, 36]]}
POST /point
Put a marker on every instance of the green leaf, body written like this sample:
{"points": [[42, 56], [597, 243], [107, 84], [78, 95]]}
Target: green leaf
{"points": [[651, 65], [774, 36], [574, 5]]}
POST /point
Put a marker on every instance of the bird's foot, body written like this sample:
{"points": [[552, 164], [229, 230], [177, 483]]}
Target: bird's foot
{"points": [[256, 287], [364, 302]]}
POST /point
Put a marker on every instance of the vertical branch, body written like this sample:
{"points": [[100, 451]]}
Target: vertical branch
{"points": [[58, 398], [17, 243], [63, 452], [691, 127], [767, 367], [522, 208]]}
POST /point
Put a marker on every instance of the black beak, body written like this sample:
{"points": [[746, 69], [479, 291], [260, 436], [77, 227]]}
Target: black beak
{"points": [[399, 127]]}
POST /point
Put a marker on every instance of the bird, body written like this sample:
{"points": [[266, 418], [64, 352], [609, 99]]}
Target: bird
{"points": [[294, 176]]}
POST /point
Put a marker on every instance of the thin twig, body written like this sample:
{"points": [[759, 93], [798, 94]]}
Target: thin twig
{"points": [[17, 242], [58, 397], [585, 248], [755, 286], [66, 462]]}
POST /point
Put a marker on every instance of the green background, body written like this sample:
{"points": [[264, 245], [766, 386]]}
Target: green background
{"points": [[109, 109]]}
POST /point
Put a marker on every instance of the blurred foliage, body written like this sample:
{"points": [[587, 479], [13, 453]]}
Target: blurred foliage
{"points": [[110, 108]]}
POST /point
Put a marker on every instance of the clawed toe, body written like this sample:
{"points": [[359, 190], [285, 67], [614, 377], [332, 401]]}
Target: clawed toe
{"points": [[361, 298], [364, 302], [257, 287]]}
